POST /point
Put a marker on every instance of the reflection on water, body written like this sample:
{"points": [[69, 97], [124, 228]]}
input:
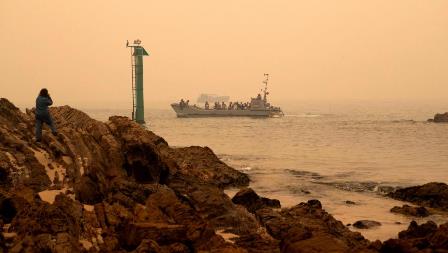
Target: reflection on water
{"points": [[335, 156]]}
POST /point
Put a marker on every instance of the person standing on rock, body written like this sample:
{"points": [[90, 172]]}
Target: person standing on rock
{"points": [[43, 114]]}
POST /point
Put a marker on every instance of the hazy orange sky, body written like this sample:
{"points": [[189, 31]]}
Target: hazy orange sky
{"points": [[314, 50]]}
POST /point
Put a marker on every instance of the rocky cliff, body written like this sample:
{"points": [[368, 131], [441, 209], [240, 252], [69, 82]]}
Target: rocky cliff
{"points": [[116, 187]]}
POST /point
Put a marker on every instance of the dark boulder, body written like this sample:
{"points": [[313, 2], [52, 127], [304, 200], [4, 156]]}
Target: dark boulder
{"points": [[411, 210], [204, 165], [308, 228], [426, 237], [366, 224], [440, 118], [433, 195], [250, 199]]}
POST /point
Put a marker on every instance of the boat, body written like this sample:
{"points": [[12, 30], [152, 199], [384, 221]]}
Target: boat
{"points": [[257, 107]]}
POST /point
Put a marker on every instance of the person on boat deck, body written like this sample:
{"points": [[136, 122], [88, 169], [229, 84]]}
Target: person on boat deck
{"points": [[207, 106], [259, 96], [181, 103], [230, 106], [223, 106], [188, 101], [43, 114]]}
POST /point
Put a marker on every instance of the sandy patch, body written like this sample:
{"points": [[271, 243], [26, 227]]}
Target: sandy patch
{"points": [[227, 236], [89, 208], [50, 195], [43, 158]]}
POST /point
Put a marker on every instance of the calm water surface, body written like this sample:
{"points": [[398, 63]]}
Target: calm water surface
{"points": [[334, 154]]}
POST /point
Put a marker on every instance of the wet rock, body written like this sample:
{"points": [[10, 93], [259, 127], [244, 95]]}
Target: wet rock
{"points": [[426, 237], [250, 199], [385, 189], [211, 203], [305, 191], [366, 224], [440, 118], [414, 230], [433, 195], [411, 210], [308, 228]]}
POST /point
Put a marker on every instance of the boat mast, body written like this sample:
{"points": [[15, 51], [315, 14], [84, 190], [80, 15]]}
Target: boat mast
{"points": [[265, 92]]}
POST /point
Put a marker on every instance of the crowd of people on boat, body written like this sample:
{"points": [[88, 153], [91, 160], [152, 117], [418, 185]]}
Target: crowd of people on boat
{"points": [[230, 106], [220, 105]]}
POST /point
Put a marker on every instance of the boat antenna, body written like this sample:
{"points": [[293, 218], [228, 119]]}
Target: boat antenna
{"points": [[265, 92]]}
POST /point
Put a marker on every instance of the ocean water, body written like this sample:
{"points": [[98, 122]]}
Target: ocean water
{"points": [[334, 153]]}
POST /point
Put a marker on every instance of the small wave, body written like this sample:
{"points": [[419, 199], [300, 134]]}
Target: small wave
{"points": [[245, 169], [362, 186], [404, 121], [306, 115], [304, 174]]}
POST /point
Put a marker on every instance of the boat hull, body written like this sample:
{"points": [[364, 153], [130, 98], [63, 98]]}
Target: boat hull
{"points": [[194, 112]]}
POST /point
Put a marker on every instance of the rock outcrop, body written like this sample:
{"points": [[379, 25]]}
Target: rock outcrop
{"points": [[419, 238], [366, 224], [252, 202], [433, 195], [440, 118], [308, 228], [411, 210]]}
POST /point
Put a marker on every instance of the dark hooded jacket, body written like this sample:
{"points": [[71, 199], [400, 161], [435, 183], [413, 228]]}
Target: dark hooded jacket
{"points": [[42, 104]]}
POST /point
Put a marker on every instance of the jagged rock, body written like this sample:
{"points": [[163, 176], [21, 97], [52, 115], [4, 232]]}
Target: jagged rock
{"points": [[433, 195], [440, 118], [250, 199], [60, 217], [366, 224], [419, 238], [162, 233], [411, 210], [212, 204], [308, 228], [203, 164], [255, 242]]}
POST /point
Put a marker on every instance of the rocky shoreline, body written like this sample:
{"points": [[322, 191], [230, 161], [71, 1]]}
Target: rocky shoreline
{"points": [[116, 187]]}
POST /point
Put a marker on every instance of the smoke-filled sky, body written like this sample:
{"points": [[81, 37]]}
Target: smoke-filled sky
{"points": [[314, 50]]}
